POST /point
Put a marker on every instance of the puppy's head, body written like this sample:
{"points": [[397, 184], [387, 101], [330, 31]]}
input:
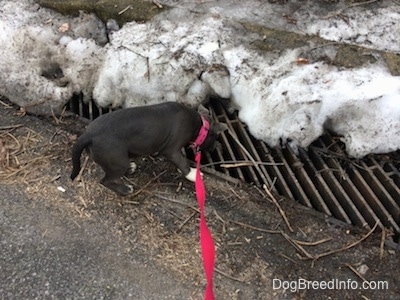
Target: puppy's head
{"points": [[216, 128]]}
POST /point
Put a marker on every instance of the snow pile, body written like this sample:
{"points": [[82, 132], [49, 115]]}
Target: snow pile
{"points": [[186, 57], [374, 26], [163, 61], [287, 102], [43, 65], [25, 45], [35, 54]]}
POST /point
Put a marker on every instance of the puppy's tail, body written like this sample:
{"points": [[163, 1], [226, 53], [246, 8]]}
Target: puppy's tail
{"points": [[82, 142]]}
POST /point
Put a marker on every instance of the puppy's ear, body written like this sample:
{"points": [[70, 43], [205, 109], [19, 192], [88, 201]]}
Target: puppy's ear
{"points": [[203, 111], [220, 127]]}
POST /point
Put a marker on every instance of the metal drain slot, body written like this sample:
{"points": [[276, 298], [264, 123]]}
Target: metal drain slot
{"points": [[308, 191], [383, 203], [249, 170], [261, 154], [89, 110], [233, 155], [360, 192], [276, 179], [336, 178], [329, 193], [380, 175]]}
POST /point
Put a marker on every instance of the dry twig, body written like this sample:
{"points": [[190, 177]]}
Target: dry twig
{"points": [[172, 200], [288, 258], [221, 175], [245, 163], [79, 177], [11, 127], [125, 10], [254, 162], [147, 184], [281, 211], [6, 105], [307, 255], [303, 243], [228, 276], [348, 246], [297, 246], [257, 167], [222, 221], [156, 3], [185, 221], [356, 272], [382, 244], [255, 228]]}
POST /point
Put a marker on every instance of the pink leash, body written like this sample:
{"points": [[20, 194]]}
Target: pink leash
{"points": [[206, 239]]}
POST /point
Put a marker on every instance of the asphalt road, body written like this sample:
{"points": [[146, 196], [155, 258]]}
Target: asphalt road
{"points": [[44, 255]]}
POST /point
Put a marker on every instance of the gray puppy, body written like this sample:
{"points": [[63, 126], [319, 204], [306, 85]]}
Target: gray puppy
{"points": [[162, 129]]}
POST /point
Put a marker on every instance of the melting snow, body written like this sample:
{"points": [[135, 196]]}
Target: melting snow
{"points": [[181, 56]]}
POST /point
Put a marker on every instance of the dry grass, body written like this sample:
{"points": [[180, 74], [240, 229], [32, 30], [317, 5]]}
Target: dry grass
{"points": [[18, 155], [163, 214], [26, 158]]}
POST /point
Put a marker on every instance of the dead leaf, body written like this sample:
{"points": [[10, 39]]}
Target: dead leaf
{"points": [[302, 61], [63, 28]]}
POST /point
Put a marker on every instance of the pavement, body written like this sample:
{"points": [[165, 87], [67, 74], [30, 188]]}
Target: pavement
{"points": [[48, 255]]}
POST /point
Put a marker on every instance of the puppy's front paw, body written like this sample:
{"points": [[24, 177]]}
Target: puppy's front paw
{"points": [[192, 175]]}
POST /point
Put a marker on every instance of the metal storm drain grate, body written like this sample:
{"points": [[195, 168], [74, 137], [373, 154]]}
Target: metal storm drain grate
{"points": [[359, 192]]}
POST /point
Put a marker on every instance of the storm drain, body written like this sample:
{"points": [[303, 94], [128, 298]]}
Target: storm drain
{"points": [[360, 192]]}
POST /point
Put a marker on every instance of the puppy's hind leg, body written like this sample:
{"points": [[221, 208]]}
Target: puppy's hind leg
{"points": [[116, 185], [115, 167]]}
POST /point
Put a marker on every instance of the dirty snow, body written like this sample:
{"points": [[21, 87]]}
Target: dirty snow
{"points": [[377, 29], [160, 61], [295, 103], [182, 56]]}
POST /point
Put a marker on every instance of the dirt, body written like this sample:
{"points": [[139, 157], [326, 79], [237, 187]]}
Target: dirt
{"points": [[122, 11], [78, 240]]}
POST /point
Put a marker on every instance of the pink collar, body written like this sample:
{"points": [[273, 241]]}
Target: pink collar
{"points": [[205, 126]]}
